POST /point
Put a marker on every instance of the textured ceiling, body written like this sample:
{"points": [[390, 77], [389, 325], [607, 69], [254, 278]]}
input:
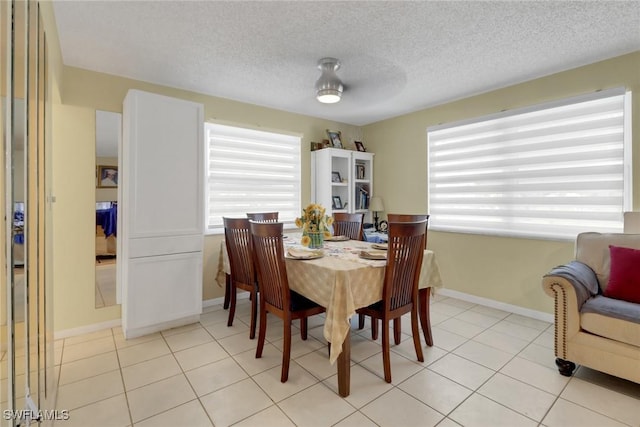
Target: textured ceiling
{"points": [[397, 56]]}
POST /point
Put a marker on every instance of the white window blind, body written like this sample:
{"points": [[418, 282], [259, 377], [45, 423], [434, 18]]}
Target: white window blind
{"points": [[251, 171], [549, 172]]}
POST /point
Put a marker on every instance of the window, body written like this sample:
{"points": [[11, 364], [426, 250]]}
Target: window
{"points": [[250, 171], [551, 171]]}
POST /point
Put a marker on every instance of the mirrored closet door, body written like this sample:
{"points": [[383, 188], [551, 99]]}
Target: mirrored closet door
{"points": [[26, 341], [108, 136]]}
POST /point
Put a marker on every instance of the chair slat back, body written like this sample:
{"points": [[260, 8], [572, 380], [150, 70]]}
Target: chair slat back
{"points": [[406, 218], [409, 218], [263, 216], [270, 263], [240, 250], [404, 261], [350, 225]]}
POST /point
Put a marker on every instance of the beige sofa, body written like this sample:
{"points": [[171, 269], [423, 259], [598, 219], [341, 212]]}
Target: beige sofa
{"points": [[590, 329]]}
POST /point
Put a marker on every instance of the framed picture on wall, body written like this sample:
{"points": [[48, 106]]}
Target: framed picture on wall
{"points": [[335, 137], [107, 177]]}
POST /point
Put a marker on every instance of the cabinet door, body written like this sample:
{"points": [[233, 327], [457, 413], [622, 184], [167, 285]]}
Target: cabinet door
{"points": [[161, 234]]}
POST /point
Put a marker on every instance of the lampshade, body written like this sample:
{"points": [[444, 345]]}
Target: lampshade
{"points": [[328, 87], [376, 204]]}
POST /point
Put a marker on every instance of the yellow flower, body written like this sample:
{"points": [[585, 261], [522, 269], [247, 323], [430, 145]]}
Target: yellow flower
{"points": [[314, 220]]}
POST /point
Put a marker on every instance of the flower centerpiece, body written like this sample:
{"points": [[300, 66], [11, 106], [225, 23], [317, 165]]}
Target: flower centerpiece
{"points": [[315, 225]]}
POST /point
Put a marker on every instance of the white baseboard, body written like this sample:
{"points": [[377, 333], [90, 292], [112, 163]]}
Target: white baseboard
{"points": [[212, 301], [534, 314], [66, 333], [220, 300], [527, 312]]}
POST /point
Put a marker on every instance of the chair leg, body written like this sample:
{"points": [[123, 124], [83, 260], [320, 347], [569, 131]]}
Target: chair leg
{"points": [[232, 305], [303, 328], [386, 357], [227, 291], [424, 297], [374, 328], [286, 351], [415, 331], [263, 330], [254, 313], [360, 321], [397, 330]]}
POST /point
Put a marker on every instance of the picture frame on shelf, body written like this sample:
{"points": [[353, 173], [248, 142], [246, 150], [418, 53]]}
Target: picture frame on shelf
{"points": [[335, 177], [107, 177], [360, 171], [337, 202], [359, 146], [336, 138]]}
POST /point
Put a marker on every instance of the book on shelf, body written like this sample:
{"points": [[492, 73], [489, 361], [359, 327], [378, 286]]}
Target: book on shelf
{"points": [[362, 198]]}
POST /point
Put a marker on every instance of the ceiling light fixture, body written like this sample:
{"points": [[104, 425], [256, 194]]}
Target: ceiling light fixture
{"points": [[328, 87]]}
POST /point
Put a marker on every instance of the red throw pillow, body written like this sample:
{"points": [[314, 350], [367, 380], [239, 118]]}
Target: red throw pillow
{"points": [[624, 277]]}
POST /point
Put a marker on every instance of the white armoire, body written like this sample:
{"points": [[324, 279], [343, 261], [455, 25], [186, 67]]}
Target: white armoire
{"points": [[161, 213]]}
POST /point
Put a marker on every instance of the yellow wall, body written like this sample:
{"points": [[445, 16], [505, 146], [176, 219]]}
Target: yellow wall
{"points": [[504, 269], [74, 180], [74, 220]]}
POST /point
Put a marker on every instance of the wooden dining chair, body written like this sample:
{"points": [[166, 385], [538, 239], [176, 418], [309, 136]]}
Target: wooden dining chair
{"points": [[424, 295], [400, 288], [243, 275], [404, 218], [275, 295], [409, 218], [350, 225], [263, 216]]}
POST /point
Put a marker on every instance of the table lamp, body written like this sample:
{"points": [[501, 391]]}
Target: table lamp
{"points": [[375, 206]]}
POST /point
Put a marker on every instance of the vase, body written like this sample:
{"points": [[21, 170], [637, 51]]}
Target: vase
{"points": [[317, 240]]}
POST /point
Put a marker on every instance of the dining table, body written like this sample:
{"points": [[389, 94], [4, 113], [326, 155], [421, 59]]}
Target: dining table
{"points": [[341, 279]]}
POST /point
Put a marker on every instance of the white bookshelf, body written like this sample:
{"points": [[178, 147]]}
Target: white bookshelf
{"points": [[355, 187]]}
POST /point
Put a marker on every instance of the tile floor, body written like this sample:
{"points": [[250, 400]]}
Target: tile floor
{"points": [[487, 368], [105, 282]]}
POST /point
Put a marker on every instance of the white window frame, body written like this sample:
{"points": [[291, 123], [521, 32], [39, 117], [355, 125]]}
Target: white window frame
{"points": [[508, 174], [267, 164]]}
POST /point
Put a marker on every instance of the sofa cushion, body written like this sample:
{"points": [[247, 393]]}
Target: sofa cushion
{"points": [[610, 307], [612, 318], [593, 250], [624, 278]]}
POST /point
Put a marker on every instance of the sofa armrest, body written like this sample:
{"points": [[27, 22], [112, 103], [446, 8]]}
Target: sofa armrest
{"points": [[570, 285], [579, 275]]}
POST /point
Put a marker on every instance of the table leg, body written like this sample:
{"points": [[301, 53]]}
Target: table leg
{"points": [[344, 367], [424, 298]]}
